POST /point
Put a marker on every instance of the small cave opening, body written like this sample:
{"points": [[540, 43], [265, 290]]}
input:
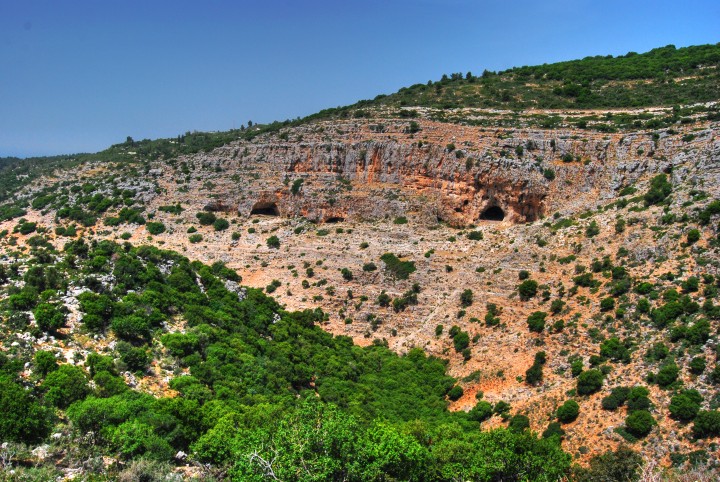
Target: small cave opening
{"points": [[493, 213], [335, 219], [265, 209]]}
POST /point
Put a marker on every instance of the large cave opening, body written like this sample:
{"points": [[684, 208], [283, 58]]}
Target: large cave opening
{"points": [[265, 209], [493, 213]]}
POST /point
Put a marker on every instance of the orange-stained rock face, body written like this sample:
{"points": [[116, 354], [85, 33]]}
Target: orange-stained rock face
{"points": [[455, 174]]}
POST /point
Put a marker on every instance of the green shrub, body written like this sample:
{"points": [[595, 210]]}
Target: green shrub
{"points": [[693, 236], [195, 238], [455, 393], [397, 268], [155, 228], [206, 218], [466, 298], [589, 381], [568, 411], [49, 316], [707, 424], [667, 374], [273, 242], [220, 224], [527, 289], [536, 321], [65, 385], [685, 405], [23, 418], [640, 423], [659, 190]]}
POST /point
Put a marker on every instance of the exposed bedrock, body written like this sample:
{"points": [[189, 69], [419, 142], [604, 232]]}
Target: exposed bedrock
{"points": [[491, 181]]}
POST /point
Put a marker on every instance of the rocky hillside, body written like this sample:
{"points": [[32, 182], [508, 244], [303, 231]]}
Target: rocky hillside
{"points": [[565, 263]]}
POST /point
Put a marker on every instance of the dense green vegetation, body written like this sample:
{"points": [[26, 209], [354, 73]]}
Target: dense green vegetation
{"points": [[255, 385]]}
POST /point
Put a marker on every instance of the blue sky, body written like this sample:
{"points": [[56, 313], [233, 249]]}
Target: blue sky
{"points": [[77, 76]]}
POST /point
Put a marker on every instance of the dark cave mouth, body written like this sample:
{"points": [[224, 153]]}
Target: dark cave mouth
{"points": [[493, 213]]}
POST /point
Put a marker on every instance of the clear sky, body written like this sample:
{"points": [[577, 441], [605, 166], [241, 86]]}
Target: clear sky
{"points": [[77, 75]]}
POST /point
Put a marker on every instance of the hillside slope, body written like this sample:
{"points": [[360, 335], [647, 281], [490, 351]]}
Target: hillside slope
{"points": [[565, 263]]}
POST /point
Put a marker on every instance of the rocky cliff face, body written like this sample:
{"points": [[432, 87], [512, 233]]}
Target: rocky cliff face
{"points": [[455, 174]]}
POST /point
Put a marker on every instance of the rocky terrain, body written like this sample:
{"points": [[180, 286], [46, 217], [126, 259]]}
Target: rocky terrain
{"points": [[339, 195]]}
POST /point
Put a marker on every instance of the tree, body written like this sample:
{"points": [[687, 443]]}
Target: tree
{"points": [[45, 362], [65, 385], [685, 405], [481, 411], [49, 316], [589, 381], [640, 423], [23, 419], [568, 411], [527, 289], [455, 393], [536, 321], [667, 374], [707, 424]]}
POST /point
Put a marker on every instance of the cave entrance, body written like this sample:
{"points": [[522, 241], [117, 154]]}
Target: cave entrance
{"points": [[335, 219], [265, 209], [493, 213]]}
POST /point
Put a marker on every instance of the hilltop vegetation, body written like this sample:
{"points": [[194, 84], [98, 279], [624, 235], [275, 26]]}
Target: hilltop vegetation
{"points": [[661, 77]]}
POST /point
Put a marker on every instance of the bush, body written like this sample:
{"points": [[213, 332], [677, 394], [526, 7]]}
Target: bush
{"points": [[45, 362], [481, 411], [667, 375], [534, 374], [621, 465], [455, 393], [475, 235], [607, 304], [273, 242], [697, 365], [685, 405], [519, 423], [346, 274], [221, 224], [640, 423], [536, 321], [693, 236], [589, 381], [65, 385], [195, 238], [592, 230], [527, 289], [23, 419], [397, 268], [659, 190], [368, 267], [206, 218], [461, 341], [618, 396], [155, 228], [466, 298], [707, 424], [568, 411], [554, 429], [49, 316]]}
